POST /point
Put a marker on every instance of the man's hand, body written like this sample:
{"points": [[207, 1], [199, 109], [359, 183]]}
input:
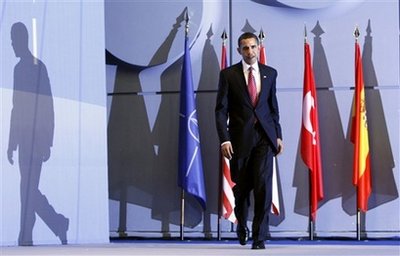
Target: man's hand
{"points": [[280, 146], [10, 156], [227, 150], [46, 154]]}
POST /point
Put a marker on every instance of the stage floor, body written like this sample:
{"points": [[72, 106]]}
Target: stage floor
{"points": [[212, 248]]}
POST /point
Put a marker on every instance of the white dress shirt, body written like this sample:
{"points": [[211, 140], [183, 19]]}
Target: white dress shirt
{"points": [[256, 74]]}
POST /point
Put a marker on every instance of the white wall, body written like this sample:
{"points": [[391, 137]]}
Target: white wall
{"points": [[69, 39]]}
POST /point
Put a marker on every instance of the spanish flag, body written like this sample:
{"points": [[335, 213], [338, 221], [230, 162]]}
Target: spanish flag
{"points": [[359, 137]]}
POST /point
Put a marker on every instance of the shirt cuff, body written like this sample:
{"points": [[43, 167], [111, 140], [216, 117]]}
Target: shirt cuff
{"points": [[225, 142]]}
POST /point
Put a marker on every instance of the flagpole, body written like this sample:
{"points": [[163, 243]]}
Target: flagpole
{"points": [[182, 237], [219, 201], [310, 219], [261, 37], [358, 216], [224, 37], [358, 223], [183, 191]]}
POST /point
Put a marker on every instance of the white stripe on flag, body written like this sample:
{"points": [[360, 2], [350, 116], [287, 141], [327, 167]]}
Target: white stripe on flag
{"points": [[275, 207]]}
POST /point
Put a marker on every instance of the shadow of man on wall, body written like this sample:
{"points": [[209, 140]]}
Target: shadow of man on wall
{"points": [[31, 134]]}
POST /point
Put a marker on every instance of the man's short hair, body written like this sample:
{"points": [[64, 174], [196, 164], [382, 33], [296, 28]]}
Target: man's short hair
{"points": [[247, 35]]}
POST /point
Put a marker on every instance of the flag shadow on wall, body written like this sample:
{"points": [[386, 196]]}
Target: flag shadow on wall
{"points": [[143, 166], [205, 101]]}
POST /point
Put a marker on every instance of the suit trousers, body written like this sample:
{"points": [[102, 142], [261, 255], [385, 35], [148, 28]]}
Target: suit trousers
{"points": [[254, 173]]}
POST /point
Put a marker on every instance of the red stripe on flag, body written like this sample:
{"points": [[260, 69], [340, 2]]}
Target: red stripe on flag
{"points": [[228, 199], [224, 63], [263, 57]]}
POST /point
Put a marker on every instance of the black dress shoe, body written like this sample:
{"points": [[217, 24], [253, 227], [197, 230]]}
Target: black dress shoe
{"points": [[243, 235], [257, 245]]}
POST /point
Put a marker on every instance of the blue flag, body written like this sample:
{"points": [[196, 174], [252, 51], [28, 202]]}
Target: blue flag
{"points": [[191, 177]]}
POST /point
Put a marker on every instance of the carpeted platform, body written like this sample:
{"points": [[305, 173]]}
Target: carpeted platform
{"points": [[213, 248]]}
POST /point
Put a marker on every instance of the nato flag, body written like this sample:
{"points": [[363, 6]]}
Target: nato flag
{"points": [[191, 177]]}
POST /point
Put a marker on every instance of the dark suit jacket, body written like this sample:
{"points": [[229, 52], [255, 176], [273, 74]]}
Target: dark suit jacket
{"points": [[233, 103]]}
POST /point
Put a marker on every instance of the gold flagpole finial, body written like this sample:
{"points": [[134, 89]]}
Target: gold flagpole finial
{"points": [[356, 33]]}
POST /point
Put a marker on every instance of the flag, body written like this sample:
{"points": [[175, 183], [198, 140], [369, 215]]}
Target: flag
{"points": [[263, 57], [275, 206], [227, 196], [224, 60], [228, 199], [359, 136], [310, 142], [190, 177]]}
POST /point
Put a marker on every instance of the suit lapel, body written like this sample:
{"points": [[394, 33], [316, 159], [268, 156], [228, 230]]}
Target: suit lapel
{"points": [[264, 82], [242, 83]]}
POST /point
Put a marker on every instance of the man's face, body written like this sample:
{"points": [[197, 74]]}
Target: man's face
{"points": [[19, 40], [15, 45], [249, 49]]}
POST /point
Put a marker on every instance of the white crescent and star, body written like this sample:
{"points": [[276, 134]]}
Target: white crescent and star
{"points": [[308, 105]]}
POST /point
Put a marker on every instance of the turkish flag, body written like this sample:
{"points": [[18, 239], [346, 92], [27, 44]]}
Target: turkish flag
{"points": [[310, 143]]}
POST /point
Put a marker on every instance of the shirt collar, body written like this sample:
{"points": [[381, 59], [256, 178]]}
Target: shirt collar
{"points": [[246, 66]]}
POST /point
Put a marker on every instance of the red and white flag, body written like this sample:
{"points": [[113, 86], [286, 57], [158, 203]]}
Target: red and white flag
{"points": [[227, 197], [310, 142], [359, 136], [275, 207], [263, 56]]}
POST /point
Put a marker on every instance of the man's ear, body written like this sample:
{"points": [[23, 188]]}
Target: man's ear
{"points": [[238, 49]]}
